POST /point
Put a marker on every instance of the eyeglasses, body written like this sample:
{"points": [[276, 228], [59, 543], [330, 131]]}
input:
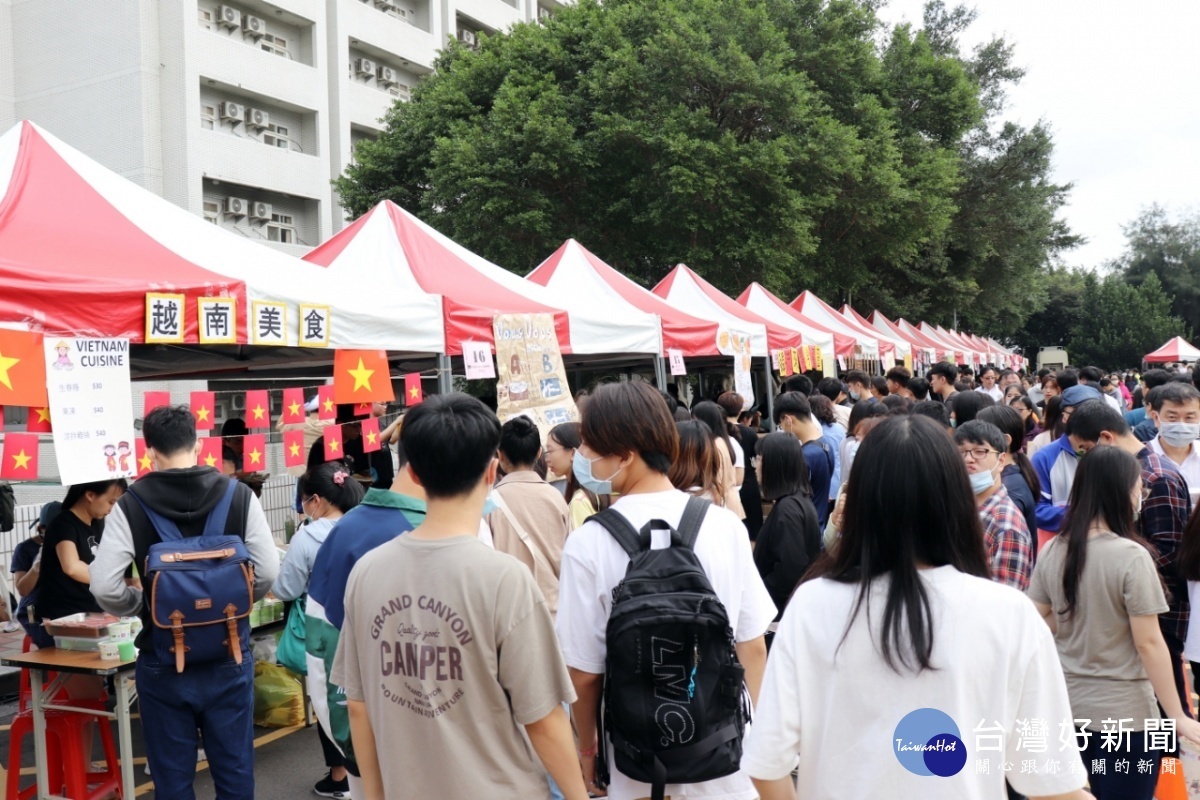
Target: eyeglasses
{"points": [[550, 452], [977, 453], [307, 500]]}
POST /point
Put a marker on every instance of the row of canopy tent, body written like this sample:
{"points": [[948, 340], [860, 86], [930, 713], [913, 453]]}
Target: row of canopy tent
{"points": [[393, 282]]}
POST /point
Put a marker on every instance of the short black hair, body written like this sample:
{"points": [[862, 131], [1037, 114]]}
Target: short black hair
{"points": [[1093, 417], [333, 482], [899, 375], [945, 369], [1091, 374], [1066, 378], [1155, 377], [1173, 392], [230, 455], [894, 402], [859, 377], [169, 430], [1004, 373], [235, 426], [792, 404], [799, 383], [985, 369], [1041, 373], [967, 404], [879, 384], [520, 441], [934, 410], [672, 404], [785, 472], [919, 388], [979, 432], [451, 440], [830, 387]]}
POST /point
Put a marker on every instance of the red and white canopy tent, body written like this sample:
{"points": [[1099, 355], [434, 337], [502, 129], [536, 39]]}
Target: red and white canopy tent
{"points": [[80, 247], [1177, 349], [962, 353], [974, 354], [904, 348], [575, 271], [929, 350], [870, 347], [945, 350], [392, 251], [833, 344]]}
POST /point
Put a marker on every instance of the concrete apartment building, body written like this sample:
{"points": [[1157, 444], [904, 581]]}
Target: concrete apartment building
{"points": [[241, 111]]}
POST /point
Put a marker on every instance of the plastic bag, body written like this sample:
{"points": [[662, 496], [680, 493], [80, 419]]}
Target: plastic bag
{"points": [[263, 646], [278, 697]]}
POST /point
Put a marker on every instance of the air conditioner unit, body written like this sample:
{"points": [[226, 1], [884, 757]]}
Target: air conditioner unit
{"points": [[232, 111], [387, 75], [229, 16], [253, 26], [236, 206], [260, 211], [257, 118], [238, 402], [365, 66], [467, 37]]}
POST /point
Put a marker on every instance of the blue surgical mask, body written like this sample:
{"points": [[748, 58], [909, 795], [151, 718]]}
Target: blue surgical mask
{"points": [[1179, 434], [490, 504], [582, 468], [854, 395], [981, 481]]}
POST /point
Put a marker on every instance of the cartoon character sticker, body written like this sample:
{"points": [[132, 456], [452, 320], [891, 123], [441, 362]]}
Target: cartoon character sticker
{"points": [[64, 356], [123, 452], [110, 456]]}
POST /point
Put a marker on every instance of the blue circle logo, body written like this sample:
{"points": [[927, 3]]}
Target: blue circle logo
{"points": [[927, 742]]}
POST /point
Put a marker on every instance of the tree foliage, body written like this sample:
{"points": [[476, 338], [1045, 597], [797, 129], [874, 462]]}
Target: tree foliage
{"points": [[1170, 251], [792, 142], [1120, 323]]}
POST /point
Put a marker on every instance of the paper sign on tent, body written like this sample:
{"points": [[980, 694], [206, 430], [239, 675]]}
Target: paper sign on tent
{"points": [[254, 453], [38, 420], [676, 359], [203, 405], [477, 359], [258, 409], [294, 454], [370, 435], [361, 376], [293, 406], [19, 461], [23, 368]]}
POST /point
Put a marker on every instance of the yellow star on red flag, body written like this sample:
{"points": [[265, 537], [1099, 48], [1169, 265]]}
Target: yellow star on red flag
{"points": [[353, 377]]}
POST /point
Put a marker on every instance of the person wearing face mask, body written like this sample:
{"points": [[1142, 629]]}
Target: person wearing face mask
{"points": [[793, 414], [326, 493], [1009, 546], [1161, 520], [858, 386], [1177, 415]]}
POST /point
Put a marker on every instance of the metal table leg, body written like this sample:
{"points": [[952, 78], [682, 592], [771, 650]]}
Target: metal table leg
{"points": [[36, 676], [125, 695]]}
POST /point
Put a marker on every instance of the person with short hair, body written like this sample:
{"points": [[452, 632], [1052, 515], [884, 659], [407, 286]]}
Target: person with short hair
{"points": [[918, 389], [1010, 549], [1017, 473], [798, 383], [1055, 464], [879, 387], [987, 384], [1008, 378], [901, 617], [836, 392], [942, 377], [934, 410], [793, 414], [561, 444], [1151, 378], [897, 379], [461, 663], [790, 541], [1176, 414], [858, 385], [215, 698], [629, 444], [27, 567], [747, 437]]}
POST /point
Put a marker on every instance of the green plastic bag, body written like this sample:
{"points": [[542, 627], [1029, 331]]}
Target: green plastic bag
{"points": [[291, 652], [278, 697]]}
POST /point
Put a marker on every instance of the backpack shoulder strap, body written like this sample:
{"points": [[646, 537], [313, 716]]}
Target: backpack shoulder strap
{"points": [[538, 556], [167, 530], [215, 524], [620, 529], [693, 517]]}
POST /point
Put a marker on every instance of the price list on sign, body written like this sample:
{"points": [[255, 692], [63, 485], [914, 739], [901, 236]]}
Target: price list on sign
{"points": [[477, 358], [87, 383]]}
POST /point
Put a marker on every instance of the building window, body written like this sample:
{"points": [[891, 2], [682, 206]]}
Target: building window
{"points": [[275, 44], [401, 91], [212, 212], [208, 116], [281, 229], [277, 136], [206, 19]]}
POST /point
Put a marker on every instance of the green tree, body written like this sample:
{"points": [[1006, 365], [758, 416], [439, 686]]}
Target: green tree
{"points": [[1059, 300], [1170, 250], [1120, 322]]}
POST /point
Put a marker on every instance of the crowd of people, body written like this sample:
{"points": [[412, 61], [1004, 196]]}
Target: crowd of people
{"points": [[1003, 548]]}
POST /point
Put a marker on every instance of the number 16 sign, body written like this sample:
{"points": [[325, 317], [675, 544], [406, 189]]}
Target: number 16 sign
{"points": [[477, 357]]}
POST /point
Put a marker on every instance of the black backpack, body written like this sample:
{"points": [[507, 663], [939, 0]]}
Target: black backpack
{"points": [[675, 703]]}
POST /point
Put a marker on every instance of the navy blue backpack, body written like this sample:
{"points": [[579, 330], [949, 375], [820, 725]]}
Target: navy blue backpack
{"points": [[200, 589]]}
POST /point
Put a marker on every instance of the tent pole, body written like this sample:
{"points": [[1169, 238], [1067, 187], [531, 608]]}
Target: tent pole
{"points": [[660, 372], [445, 380], [770, 396]]}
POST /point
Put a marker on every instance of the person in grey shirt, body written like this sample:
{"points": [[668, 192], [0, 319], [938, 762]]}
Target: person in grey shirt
{"points": [[216, 698]]}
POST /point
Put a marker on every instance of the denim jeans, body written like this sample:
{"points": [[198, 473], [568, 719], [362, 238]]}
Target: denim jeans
{"points": [[1116, 776], [217, 699]]}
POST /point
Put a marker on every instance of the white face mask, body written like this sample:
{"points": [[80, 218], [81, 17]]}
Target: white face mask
{"points": [[1179, 434], [982, 481]]}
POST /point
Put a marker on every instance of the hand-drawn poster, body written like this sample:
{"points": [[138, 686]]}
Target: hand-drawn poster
{"points": [[531, 377], [737, 344], [91, 408]]}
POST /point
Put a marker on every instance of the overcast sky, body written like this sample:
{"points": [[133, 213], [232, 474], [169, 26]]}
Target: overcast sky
{"points": [[1117, 82]]}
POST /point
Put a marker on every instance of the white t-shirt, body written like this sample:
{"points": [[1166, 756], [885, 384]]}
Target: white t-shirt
{"points": [[995, 393], [837, 710], [739, 455], [593, 564]]}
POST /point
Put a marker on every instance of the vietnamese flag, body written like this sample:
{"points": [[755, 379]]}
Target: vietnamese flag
{"points": [[361, 376], [372, 441], [254, 453], [22, 369], [153, 400], [210, 452], [204, 408], [144, 463], [412, 389], [334, 450], [294, 454], [326, 405], [258, 409], [20, 457], [363, 409], [38, 420], [293, 406]]}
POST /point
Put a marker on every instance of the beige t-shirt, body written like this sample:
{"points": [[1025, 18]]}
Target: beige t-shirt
{"points": [[542, 513], [1105, 676], [450, 646]]}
